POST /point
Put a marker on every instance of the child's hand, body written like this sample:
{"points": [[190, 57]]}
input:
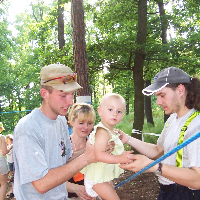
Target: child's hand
{"points": [[123, 136], [125, 158], [139, 162]]}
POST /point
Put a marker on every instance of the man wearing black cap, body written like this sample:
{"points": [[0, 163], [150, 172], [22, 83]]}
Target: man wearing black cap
{"points": [[179, 174]]}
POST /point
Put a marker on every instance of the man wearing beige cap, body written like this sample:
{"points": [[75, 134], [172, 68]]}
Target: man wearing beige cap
{"points": [[179, 174], [41, 141]]}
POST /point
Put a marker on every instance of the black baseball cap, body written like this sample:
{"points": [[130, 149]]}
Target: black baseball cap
{"points": [[164, 77]]}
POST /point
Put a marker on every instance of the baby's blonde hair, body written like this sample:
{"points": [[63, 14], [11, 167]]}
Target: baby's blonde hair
{"points": [[112, 95], [82, 108]]}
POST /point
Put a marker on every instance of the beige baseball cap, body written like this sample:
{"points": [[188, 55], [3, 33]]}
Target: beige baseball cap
{"points": [[60, 77]]}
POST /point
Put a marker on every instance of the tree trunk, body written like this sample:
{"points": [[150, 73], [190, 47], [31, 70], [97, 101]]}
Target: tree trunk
{"points": [[164, 24], [163, 20], [147, 102], [61, 24], [79, 47], [61, 39], [127, 105], [138, 68]]}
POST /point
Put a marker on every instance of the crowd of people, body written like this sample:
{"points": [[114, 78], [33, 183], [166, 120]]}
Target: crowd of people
{"points": [[49, 163]]}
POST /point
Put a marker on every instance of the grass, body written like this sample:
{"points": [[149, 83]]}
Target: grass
{"points": [[126, 125]]}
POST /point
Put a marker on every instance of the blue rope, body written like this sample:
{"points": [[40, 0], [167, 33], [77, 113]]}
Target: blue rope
{"points": [[15, 111], [185, 143]]}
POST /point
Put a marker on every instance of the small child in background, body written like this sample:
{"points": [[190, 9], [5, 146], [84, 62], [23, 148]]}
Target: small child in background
{"points": [[98, 176], [9, 142], [10, 160]]}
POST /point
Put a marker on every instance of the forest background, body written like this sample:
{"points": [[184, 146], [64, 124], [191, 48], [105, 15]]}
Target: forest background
{"points": [[113, 45]]}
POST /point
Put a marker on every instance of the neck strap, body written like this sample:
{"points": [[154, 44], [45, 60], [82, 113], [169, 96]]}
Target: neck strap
{"points": [[179, 156]]}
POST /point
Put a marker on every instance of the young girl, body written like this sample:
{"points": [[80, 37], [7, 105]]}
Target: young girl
{"points": [[3, 164], [9, 142], [98, 176], [81, 118]]}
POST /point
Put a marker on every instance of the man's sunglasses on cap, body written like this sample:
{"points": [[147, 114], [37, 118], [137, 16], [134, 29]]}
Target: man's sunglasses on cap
{"points": [[64, 79]]}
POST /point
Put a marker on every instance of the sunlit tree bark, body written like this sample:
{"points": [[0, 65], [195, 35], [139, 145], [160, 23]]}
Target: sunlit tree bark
{"points": [[61, 24], [79, 47]]}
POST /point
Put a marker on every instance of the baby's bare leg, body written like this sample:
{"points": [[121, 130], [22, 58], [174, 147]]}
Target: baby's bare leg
{"points": [[106, 191]]}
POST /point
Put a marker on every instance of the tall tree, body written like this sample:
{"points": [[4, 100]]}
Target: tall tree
{"points": [[114, 44], [138, 67], [147, 105], [164, 25], [6, 54], [79, 47], [61, 39]]}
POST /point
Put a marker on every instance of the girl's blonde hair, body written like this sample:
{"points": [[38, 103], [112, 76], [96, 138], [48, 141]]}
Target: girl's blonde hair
{"points": [[82, 108], [9, 136]]}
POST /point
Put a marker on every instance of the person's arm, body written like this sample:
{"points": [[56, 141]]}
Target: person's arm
{"points": [[189, 177], [150, 150], [4, 148], [59, 175], [101, 141], [9, 148], [78, 189]]}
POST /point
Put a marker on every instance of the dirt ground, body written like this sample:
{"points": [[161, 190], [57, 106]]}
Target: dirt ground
{"points": [[9, 190], [143, 187]]}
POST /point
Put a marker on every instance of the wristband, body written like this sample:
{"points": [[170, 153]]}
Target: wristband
{"points": [[158, 172]]}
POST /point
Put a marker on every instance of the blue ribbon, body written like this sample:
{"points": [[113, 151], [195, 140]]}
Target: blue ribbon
{"points": [[15, 111], [185, 143]]}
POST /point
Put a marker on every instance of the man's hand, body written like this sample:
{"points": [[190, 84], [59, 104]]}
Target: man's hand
{"points": [[80, 192], [89, 153], [138, 163], [125, 157], [110, 147], [123, 136]]}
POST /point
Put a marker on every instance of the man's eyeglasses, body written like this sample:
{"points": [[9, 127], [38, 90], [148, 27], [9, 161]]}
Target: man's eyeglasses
{"points": [[64, 79]]}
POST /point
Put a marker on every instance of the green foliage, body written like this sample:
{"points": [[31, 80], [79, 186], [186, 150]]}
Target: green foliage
{"points": [[126, 125], [111, 31], [95, 105], [150, 138], [158, 115]]}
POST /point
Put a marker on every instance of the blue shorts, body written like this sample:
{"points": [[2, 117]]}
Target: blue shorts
{"points": [[11, 166]]}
